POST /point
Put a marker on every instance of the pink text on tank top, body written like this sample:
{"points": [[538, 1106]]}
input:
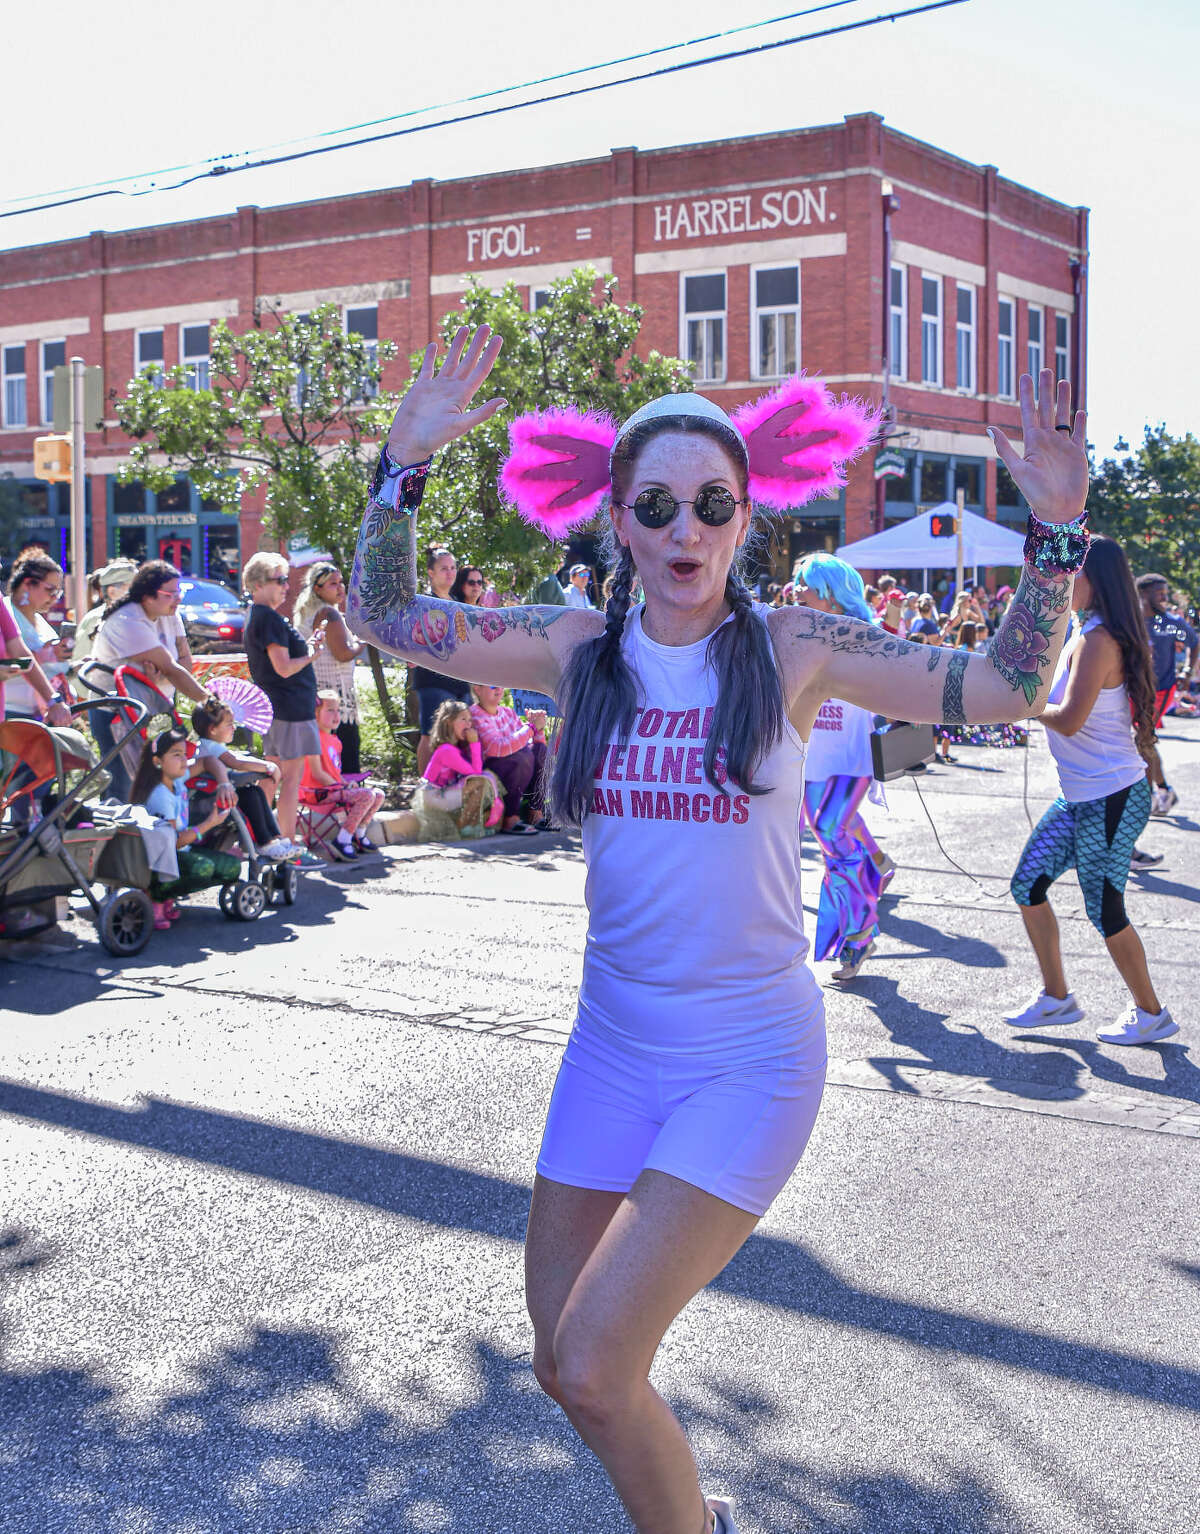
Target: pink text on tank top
{"points": [[696, 940]]}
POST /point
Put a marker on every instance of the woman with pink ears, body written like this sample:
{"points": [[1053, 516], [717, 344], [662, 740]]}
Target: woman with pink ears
{"points": [[694, 1071]]}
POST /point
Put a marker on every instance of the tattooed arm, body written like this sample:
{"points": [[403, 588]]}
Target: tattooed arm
{"points": [[824, 655], [512, 645]]}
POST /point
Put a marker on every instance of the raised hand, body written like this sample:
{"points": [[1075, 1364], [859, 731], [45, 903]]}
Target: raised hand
{"points": [[434, 411], [1053, 474]]}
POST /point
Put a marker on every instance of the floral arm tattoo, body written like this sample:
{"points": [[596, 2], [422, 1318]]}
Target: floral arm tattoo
{"points": [[383, 604], [1021, 654]]}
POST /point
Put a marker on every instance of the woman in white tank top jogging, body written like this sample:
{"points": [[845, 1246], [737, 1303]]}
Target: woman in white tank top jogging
{"points": [[1103, 682], [693, 1075]]}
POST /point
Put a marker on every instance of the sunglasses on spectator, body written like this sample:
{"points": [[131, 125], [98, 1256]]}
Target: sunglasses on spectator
{"points": [[472, 582], [714, 506]]}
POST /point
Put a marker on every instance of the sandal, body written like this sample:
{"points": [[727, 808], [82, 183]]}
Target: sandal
{"points": [[853, 960], [520, 829]]}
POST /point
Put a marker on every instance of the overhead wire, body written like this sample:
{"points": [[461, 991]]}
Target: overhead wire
{"points": [[219, 166]]}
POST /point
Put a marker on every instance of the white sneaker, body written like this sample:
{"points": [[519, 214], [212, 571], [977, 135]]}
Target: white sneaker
{"points": [[723, 1508], [1138, 1027], [277, 850], [1163, 801], [1046, 1012], [1139, 859]]}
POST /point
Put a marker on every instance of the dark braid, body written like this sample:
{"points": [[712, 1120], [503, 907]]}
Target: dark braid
{"points": [[748, 721], [597, 688]]}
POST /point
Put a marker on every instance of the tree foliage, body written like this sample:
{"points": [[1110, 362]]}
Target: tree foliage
{"points": [[286, 410], [1149, 500], [293, 405], [577, 349]]}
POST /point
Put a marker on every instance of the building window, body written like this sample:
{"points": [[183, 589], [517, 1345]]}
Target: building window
{"points": [[931, 329], [1036, 348], [54, 355], [704, 325], [148, 355], [776, 321], [364, 322], [1006, 341], [968, 477], [899, 487], [193, 354], [538, 299], [1062, 347], [965, 338], [935, 481], [300, 387], [14, 386], [1007, 493], [898, 319]]}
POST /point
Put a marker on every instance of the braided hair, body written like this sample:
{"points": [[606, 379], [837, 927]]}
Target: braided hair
{"points": [[599, 693]]}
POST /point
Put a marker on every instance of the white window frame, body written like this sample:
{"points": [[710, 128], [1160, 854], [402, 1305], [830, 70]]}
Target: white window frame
{"points": [[368, 391], [47, 376], [1006, 345], [191, 362], [705, 315], [533, 297], [157, 365], [11, 378], [937, 381], [1035, 351], [779, 310], [301, 375], [898, 312], [1062, 370], [967, 331]]}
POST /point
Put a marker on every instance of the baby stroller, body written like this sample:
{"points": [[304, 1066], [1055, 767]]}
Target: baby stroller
{"points": [[67, 851], [142, 712]]}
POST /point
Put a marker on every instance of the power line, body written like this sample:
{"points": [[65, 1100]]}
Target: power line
{"points": [[219, 167]]}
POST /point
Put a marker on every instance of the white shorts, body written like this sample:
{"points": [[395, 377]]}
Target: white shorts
{"points": [[735, 1130]]}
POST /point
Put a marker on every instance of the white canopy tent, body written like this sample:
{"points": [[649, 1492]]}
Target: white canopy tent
{"points": [[910, 546]]}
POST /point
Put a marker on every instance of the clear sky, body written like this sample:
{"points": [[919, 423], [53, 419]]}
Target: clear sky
{"points": [[1093, 103]]}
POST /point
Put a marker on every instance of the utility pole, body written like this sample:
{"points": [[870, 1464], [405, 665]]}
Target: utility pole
{"points": [[78, 483], [960, 497]]}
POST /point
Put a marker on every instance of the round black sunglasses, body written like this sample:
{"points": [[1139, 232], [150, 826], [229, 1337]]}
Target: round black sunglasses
{"points": [[655, 508]]}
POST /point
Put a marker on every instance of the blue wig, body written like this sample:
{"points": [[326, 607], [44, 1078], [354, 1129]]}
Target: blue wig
{"points": [[837, 581]]}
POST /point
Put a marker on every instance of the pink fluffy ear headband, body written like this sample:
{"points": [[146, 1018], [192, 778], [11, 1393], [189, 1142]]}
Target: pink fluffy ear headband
{"points": [[798, 438]]}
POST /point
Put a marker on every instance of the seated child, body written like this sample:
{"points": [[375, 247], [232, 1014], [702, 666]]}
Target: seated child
{"points": [[161, 785], [214, 725], [323, 784], [454, 780]]}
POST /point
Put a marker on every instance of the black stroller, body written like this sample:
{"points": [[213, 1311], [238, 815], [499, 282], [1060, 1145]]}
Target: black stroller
{"points": [[141, 711]]}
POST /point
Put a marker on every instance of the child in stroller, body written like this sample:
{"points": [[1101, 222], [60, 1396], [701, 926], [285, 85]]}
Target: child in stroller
{"points": [[161, 785], [214, 725]]}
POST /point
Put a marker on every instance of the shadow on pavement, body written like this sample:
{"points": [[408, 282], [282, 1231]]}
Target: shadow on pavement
{"points": [[768, 1270], [1180, 1076], [972, 952], [272, 1439]]}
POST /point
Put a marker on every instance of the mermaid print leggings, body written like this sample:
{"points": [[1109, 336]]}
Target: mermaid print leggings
{"points": [[1095, 837], [847, 913]]}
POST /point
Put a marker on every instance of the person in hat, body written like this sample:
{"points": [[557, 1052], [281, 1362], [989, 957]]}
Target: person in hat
{"points": [[111, 583], [577, 579], [692, 1079]]}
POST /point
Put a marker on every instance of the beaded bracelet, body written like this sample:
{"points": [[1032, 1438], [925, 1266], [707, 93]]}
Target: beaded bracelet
{"points": [[1056, 548], [398, 487]]}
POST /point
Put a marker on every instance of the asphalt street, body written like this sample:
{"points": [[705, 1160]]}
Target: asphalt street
{"points": [[263, 1191]]}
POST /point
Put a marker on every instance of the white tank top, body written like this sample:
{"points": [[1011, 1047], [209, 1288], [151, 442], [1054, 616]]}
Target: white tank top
{"points": [[840, 743], [1100, 758], [696, 941]]}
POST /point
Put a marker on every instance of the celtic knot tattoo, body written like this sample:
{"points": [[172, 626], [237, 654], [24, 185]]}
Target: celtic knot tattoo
{"points": [[952, 689]]}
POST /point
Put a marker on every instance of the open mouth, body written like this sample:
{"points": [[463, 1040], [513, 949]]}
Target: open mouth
{"points": [[684, 569]]}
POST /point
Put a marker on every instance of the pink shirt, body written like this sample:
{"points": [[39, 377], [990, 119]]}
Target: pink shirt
{"points": [[502, 733], [449, 763], [8, 630]]}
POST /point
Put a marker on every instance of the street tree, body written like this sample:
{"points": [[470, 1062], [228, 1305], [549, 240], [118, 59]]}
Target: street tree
{"points": [[1148, 498]]}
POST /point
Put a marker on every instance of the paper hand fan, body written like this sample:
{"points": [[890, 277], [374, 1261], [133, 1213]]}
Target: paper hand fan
{"points": [[251, 707]]}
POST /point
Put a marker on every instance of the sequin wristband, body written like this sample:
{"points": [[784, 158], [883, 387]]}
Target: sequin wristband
{"points": [[398, 487], [1056, 548]]}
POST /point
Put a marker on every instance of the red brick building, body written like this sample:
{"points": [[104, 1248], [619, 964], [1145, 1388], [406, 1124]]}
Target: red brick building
{"points": [[891, 267]]}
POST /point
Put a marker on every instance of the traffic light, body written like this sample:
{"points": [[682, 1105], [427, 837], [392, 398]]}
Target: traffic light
{"points": [[942, 527]]}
